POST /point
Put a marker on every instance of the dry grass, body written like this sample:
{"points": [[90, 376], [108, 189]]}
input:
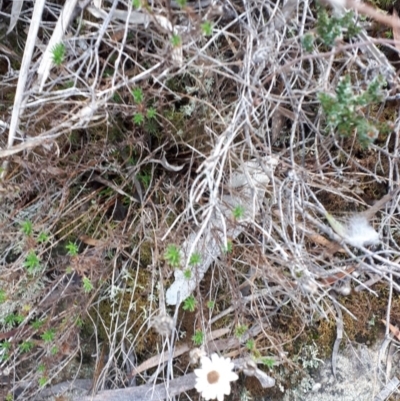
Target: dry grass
{"points": [[81, 170]]}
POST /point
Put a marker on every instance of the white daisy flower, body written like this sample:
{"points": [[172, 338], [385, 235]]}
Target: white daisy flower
{"points": [[214, 377]]}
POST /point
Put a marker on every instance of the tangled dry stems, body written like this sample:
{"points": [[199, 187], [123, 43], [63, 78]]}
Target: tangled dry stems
{"points": [[80, 169]]}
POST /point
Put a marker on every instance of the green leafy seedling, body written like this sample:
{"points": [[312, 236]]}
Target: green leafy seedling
{"points": [[58, 54], [240, 330], [195, 259], [137, 94], [172, 255], [238, 212], [32, 262], [87, 284], [72, 249], [48, 335], [206, 28], [138, 118], [176, 40], [27, 228], [189, 304], [198, 338]]}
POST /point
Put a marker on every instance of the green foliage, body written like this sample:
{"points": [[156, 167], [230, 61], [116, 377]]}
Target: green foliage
{"points": [[9, 397], [43, 381], [250, 345], [187, 274], [176, 40], [195, 259], [138, 118], [330, 28], [189, 304], [32, 262], [198, 338], [151, 113], [41, 368], [343, 109], [238, 212], [145, 178], [206, 28], [58, 54], [26, 346], [72, 249], [3, 296], [268, 362], [79, 322], [228, 248], [181, 3], [54, 350], [240, 330], [210, 304], [48, 335], [138, 96], [5, 347], [43, 237], [172, 255], [27, 228], [37, 324], [136, 4], [308, 42], [87, 284]]}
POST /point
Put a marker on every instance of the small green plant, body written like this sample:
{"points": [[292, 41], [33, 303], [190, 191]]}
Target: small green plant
{"points": [[187, 274], [138, 118], [195, 259], [176, 40], [268, 362], [43, 237], [250, 345], [238, 212], [206, 28], [181, 3], [240, 330], [5, 347], [210, 304], [54, 350], [198, 338], [330, 28], [72, 249], [41, 368], [27, 228], [37, 324], [137, 94], [136, 4], [172, 255], [43, 381], [26, 346], [58, 54], [48, 335], [3, 296], [228, 248], [151, 113], [87, 284], [308, 42], [189, 304], [9, 397], [145, 178], [32, 262], [343, 109]]}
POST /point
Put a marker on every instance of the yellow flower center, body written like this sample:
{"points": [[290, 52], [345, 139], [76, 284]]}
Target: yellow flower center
{"points": [[212, 377]]}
